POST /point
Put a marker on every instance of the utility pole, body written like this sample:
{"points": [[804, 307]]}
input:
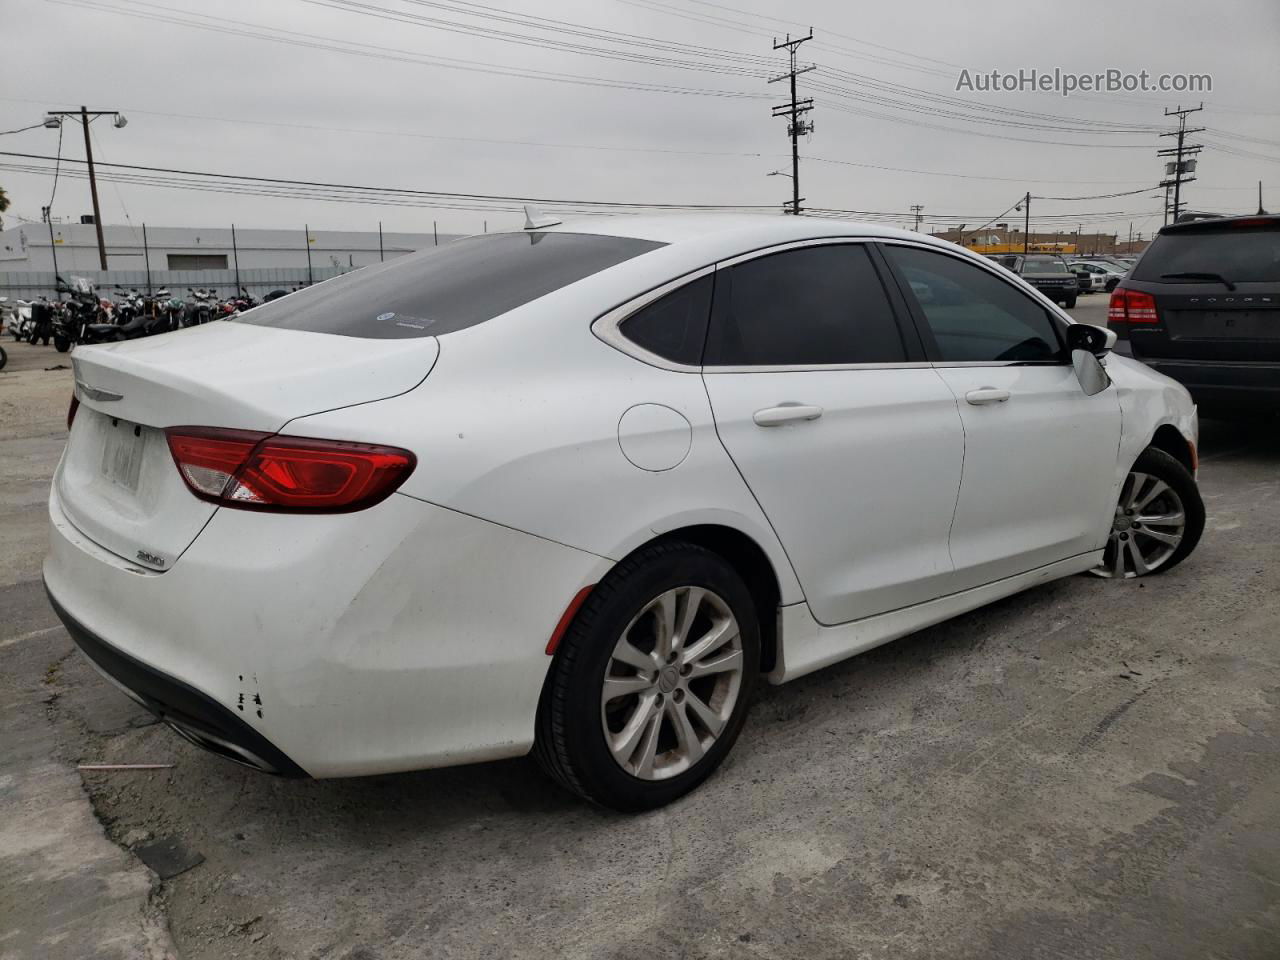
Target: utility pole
{"points": [[1026, 223], [918, 210], [84, 116], [793, 110], [306, 230], [1176, 170], [53, 248]]}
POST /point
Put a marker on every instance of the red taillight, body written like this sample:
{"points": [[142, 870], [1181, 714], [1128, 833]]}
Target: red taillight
{"points": [[262, 471], [71, 411], [1131, 306]]}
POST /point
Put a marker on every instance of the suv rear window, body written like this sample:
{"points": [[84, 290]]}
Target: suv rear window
{"points": [[447, 288], [1240, 254]]}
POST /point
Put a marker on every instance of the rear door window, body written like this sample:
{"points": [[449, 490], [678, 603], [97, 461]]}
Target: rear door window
{"points": [[447, 288], [812, 306], [1240, 254]]}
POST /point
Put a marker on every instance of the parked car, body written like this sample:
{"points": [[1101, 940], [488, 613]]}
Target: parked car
{"points": [[1202, 305], [577, 489], [1047, 272], [1103, 274]]}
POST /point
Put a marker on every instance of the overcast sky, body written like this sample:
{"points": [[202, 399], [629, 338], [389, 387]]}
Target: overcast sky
{"points": [[397, 115]]}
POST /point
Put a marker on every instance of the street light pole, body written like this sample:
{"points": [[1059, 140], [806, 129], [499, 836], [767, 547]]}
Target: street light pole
{"points": [[84, 115]]}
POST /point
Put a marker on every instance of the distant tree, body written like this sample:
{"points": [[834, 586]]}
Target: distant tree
{"points": [[4, 205]]}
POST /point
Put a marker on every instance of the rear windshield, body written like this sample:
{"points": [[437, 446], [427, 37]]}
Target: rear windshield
{"points": [[1241, 255], [1043, 265], [447, 288]]}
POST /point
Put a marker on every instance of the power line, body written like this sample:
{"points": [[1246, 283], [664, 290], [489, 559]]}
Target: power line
{"points": [[404, 190]]}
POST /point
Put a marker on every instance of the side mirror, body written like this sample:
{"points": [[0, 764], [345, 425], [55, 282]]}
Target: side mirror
{"points": [[1088, 345], [1090, 373], [1095, 340]]}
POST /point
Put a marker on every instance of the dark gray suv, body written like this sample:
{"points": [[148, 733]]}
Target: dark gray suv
{"points": [[1202, 305], [1047, 272]]}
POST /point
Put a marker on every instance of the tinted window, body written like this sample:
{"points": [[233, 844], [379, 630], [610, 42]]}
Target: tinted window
{"points": [[447, 288], [1242, 255], [675, 326], [813, 305], [1043, 265], [973, 315]]}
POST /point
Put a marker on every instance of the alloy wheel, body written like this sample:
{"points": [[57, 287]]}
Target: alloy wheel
{"points": [[1149, 524], [671, 683]]}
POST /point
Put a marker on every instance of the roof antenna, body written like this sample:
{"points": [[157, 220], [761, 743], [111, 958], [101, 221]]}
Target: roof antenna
{"points": [[535, 219]]}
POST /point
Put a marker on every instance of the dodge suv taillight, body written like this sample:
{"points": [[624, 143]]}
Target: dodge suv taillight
{"points": [[251, 470], [1130, 306]]}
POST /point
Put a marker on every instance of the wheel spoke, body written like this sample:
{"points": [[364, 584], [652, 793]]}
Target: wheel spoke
{"points": [[730, 660], [1135, 556], [1117, 558], [1157, 487], [1173, 539], [623, 743], [664, 609], [615, 687], [710, 719], [722, 631], [686, 736], [626, 652], [692, 601], [1177, 519], [1130, 488], [649, 745]]}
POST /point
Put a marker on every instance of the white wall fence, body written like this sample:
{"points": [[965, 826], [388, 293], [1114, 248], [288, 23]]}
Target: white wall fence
{"points": [[28, 285]]}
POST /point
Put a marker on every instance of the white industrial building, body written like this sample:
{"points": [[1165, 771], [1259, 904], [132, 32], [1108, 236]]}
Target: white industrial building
{"points": [[27, 248], [186, 257]]}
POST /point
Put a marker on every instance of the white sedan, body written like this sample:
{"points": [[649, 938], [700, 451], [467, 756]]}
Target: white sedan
{"points": [[576, 489]]}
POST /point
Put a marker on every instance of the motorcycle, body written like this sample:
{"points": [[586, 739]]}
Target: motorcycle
{"points": [[199, 307], [83, 318]]}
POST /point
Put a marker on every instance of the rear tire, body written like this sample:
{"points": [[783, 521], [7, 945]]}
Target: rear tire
{"points": [[4, 358], [1160, 508], [61, 344], [677, 714]]}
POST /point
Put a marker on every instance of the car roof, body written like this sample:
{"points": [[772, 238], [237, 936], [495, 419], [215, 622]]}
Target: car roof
{"points": [[1213, 224], [736, 231]]}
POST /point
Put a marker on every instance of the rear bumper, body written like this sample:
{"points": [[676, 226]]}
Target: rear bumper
{"points": [[194, 715], [400, 637], [1223, 384]]}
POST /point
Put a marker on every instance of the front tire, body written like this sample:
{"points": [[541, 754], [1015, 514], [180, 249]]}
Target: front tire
{"points": [[61, 344], [651, 684], [1158, 520], [1069, 303]]}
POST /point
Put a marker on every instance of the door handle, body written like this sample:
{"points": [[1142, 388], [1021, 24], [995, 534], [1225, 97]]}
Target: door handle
{"points": [[785, 413], [985, 395]]}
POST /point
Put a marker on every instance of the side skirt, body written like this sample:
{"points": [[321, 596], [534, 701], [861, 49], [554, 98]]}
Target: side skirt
{"points": [[805, 645]]}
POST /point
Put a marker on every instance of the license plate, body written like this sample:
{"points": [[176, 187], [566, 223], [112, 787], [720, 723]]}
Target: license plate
{"points": [[122, 454]]}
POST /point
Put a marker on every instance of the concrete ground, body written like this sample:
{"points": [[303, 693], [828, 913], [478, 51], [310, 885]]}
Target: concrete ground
{"points": [[1090, 769]]}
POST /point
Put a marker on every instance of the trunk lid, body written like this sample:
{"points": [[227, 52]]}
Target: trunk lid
{"points": [[117, 482]]}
